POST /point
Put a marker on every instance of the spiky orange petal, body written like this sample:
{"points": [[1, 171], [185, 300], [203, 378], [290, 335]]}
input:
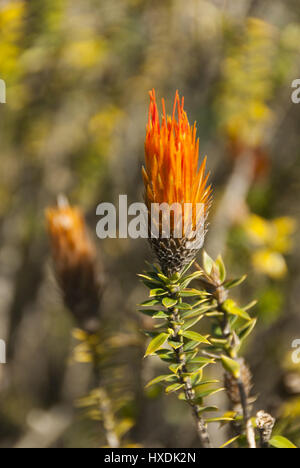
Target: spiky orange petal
{"points": [[171, 174]]}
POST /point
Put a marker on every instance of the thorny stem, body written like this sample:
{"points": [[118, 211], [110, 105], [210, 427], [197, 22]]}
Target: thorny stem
{"points": [[188, 389], [250, 433]]}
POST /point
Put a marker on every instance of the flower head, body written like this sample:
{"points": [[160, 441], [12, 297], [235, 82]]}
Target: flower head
{"points": [[172, 176], [75, 262]]}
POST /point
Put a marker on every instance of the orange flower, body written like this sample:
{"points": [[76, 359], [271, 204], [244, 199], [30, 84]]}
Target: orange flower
{"points": [[75, 263], [69, 239], [172, 176], [172, 157]]}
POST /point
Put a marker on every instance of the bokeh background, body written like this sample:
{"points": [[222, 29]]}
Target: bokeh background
{"points": [[78, 74]]}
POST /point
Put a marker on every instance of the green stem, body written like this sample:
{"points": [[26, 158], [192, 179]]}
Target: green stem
{"points": [[180, 358], [227, 334]]}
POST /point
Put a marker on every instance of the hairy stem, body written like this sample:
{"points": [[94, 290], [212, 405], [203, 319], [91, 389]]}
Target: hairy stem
{"points": [[188, 389]]}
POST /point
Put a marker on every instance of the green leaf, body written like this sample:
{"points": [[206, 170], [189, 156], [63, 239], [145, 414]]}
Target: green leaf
{"points": [[175, 367], [157, 343], [246, 330], [163, 278], [168, 302], [154, 266], [221, 268], [157, 292], [174, 387], [190, 346], [195, 312], [161, 378], [250, 305], [175, 277], [188, 279], [281, 442], [220, 419], [235, 282], [150, 278], [197, 377], [202, 394], [190, 292], [230, 441], [175, 344], [190, 323], [201, 360], [194, 336], [150, 303], [208, 263], [208, 382], [219, 341], [208, 409], [149, 312], [231, 366], [184, 306], [214, 314], [165, 355], [160, 315], [230, 307], [187, 267], [202, 301]]}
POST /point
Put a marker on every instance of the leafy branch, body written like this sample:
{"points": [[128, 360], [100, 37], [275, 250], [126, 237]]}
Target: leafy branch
{"points": [[178, 309], [231, 325]]}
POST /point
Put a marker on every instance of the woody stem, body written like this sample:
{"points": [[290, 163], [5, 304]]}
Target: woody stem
{"points": [[180, 358], [227, 332], [104, 402]]}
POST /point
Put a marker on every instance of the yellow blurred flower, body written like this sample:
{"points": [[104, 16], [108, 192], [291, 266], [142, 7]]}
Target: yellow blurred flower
{"points": [[270, 263], [275, 234], [283, 228], [257, 229], [273, 239], [11, 21], [84, 54]]}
